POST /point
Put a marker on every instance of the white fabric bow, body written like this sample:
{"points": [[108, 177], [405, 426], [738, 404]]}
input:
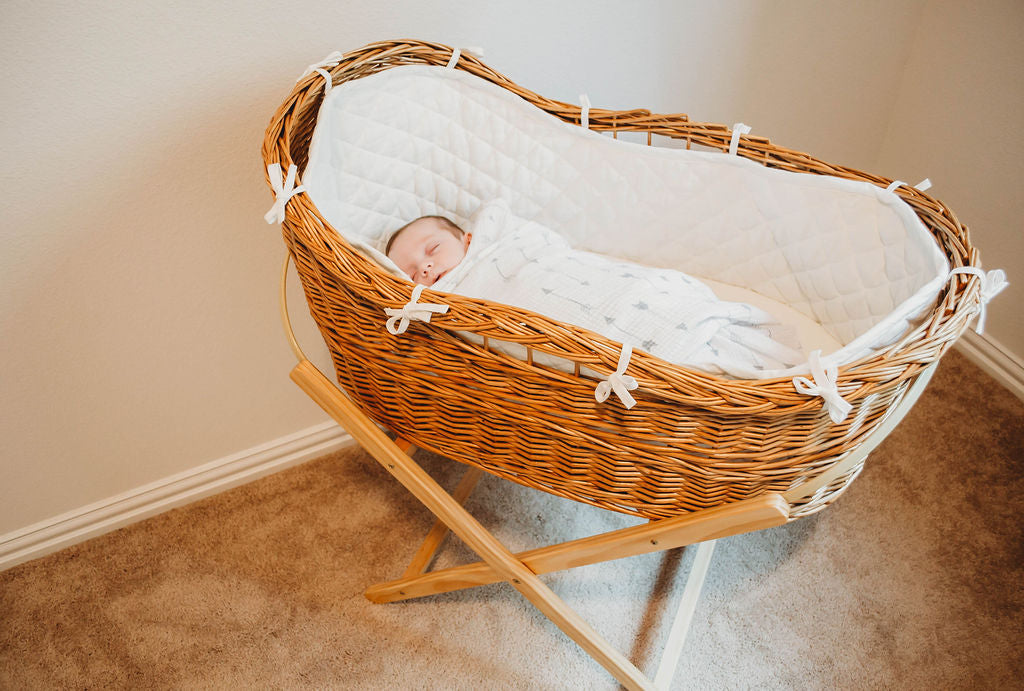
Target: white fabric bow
{"points": [[584, 111], [476, 51], [328, 80], [992, 283], [920, 187], [284, 190], [738, 129], [618, 381], [824, 385], [419, 311], [333, 59]]}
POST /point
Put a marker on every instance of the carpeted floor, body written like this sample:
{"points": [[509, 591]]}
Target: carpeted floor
{"points": [[911, 580]]}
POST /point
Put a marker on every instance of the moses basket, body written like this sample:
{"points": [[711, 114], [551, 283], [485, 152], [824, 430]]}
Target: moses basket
{"points": [[695, 442]]}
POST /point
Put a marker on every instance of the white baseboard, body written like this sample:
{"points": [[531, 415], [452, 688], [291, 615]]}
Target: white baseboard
{"points": [[143, 502], [115, 512], [994, 359]]}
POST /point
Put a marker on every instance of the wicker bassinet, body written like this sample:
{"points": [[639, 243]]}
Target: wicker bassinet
{"points": [[694, 441]]}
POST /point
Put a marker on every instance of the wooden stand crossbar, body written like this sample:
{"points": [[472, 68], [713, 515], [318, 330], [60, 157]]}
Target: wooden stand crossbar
{"points": [[758, 513]]}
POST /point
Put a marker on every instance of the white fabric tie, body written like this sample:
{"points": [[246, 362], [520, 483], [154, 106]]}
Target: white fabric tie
{"points": [[420, 311], [618, 381], [738, 129], [824, 385], [920, 187], [584, 112], [992, 283], [284, 190], [476, 51], [328, 80], [330, 61]]}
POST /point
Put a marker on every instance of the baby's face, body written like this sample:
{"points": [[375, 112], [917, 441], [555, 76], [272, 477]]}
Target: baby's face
{"points": [[426, 250]]}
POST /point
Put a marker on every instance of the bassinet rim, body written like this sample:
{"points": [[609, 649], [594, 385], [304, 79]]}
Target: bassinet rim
{"points": [[658, 378], [875, 385]]}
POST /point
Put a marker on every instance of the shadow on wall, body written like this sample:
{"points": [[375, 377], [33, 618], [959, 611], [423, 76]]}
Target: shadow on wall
{"points": [[820, 78]]}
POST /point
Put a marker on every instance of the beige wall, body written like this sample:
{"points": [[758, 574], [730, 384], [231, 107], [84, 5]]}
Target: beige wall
{"points": [[138, 301], [959, 121]]}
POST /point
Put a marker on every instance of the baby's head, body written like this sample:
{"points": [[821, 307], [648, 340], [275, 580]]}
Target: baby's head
{"points": [[428, 248]]}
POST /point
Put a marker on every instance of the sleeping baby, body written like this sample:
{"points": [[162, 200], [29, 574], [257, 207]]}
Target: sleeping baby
{"points": [[664, 312], [428, 248]]}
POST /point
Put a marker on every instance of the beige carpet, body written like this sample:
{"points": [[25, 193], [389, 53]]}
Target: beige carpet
{"points": [[912, 579]]}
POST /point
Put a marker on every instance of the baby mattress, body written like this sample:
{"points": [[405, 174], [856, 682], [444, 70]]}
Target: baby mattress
{"points": [[847, 256]]}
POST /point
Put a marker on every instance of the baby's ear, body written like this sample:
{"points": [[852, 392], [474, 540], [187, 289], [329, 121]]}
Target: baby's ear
{"points": [[466, 239]]}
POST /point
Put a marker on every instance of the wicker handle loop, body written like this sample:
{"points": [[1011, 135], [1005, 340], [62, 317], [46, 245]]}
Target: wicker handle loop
{"points": [[284, 311]]}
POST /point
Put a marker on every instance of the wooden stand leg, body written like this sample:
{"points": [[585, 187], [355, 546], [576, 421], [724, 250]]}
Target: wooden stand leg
{"points": [[423, 487], [437, 534], [521, 570], [681, 624]]}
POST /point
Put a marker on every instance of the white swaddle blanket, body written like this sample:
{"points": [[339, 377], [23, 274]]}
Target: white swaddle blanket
{"points": [[663, 312]]}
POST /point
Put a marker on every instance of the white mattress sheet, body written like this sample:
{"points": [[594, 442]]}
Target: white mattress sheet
{"points": [[846, 255]]}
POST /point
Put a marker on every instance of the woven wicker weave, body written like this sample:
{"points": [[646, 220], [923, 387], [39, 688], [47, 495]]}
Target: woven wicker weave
{"points": [[693, 441]]}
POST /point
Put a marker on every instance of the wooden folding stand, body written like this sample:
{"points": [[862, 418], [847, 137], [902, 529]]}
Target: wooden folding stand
{"points": [[521, 570]]}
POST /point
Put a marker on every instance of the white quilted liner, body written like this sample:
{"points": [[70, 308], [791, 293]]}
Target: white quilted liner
{"points": [[419, 140]]}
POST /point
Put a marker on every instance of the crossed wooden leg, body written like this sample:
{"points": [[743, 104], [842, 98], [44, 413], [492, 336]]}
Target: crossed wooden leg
{"points": [[760, 512], [521, 570]]}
